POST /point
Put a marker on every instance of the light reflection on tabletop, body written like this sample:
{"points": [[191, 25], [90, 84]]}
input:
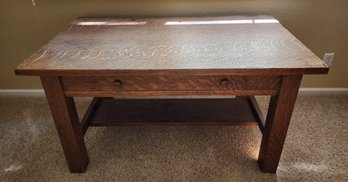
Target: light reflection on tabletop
{"points": [[192, 22]]}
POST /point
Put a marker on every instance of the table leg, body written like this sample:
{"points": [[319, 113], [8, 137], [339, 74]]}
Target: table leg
{"points": [[277, 123], [67, 124]]}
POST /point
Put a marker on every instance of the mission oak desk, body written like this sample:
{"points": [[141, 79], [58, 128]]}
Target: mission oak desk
{"points": [[171, 59]]}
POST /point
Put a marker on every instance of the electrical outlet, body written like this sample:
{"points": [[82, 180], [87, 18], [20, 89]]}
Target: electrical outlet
{"points": [[328, 58]]}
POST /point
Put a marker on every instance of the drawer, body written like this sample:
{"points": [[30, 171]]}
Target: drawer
{"points": [[169, 83]]}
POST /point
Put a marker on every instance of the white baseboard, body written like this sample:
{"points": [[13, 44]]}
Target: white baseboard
{"points": [[22, 92], [323, 91], [303, 91]]}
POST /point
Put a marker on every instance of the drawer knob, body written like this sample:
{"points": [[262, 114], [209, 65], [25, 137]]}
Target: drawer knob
{"points": [[118, 83], [224, 82]]}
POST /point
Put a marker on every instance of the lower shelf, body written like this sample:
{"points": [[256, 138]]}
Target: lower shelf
{"points": [[116, 112]]}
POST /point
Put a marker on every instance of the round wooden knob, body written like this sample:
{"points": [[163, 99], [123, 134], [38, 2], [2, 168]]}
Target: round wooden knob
{"points": [[224, 82], [118, 83]]}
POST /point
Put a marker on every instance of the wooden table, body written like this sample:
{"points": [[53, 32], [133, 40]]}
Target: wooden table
{"points": [[172, 57]]}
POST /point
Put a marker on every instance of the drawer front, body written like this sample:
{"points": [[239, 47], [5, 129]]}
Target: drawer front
{"points": [[169, 83]]}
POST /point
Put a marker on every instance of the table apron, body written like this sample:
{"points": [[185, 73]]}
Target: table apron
{"points": [[173, 85]]}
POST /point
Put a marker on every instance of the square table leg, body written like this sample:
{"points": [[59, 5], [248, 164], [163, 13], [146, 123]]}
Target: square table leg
{"points": [[67, 124], [277, 123]]}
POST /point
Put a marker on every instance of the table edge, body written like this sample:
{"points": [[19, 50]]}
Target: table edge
{"points": [[108, 72]]}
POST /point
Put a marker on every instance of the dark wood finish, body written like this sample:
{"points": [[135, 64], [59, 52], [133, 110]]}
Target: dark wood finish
{"points": [[257, 112], [167, 93], [85, 122], [277, 123], [108, 72], [231, 84], [177, 112], [109, 48], [107, 57], [67, 124]]}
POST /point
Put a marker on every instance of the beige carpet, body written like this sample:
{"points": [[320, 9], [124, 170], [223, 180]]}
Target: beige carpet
{"points": [[316, 147]]}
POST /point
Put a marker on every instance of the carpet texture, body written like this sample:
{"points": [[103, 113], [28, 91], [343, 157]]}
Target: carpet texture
{"points": [[316, 147]]}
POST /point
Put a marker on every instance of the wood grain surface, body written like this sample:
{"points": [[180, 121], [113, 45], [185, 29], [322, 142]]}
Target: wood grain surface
{"points": [[211, 56], [169, 83], [183, 112], [277, 122], [107, 46], [257, 112], [67, 124]]}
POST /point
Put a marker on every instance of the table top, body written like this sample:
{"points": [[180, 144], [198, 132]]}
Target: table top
{"points": [[230, 44]]}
